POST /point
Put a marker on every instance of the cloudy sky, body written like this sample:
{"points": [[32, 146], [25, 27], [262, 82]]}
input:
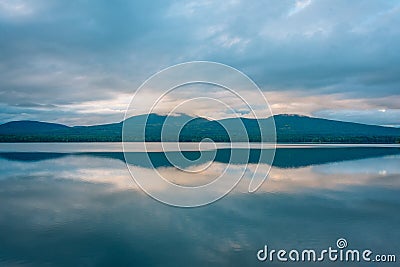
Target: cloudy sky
{"points": [[78, 62]]}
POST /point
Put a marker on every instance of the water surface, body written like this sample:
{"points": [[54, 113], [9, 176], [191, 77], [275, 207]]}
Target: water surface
{"points": [[73, 207]]}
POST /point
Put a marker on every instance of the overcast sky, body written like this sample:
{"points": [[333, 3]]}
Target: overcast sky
{"points": [[78, 62]]}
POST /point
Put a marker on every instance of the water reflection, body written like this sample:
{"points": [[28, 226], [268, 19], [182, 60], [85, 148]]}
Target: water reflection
{"points": [[284, 157], [68, 209], [303, 161]]}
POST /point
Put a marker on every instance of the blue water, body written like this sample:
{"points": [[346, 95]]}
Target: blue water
{"points": [[80, 208]]}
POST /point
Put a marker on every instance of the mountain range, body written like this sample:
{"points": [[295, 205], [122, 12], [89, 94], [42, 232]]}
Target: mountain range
{"points": [[289, 129]]}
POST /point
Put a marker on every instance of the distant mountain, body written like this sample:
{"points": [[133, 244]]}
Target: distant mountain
{"points": [[295, 128], [30, 127], [289, 128]]}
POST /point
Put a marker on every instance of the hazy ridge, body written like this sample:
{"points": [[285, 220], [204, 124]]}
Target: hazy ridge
{"points": [[289, 128]]}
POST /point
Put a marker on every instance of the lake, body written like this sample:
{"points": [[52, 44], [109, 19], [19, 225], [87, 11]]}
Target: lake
{"points": [[77, 205]]}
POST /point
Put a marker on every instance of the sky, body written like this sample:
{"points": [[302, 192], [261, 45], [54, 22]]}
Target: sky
{"points": [[79, 62]]}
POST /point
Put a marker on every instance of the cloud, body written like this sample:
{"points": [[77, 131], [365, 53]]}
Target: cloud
{"points": [[63, 55], [385, 117], [299, 6]]}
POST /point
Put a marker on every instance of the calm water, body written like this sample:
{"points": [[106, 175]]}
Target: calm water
{"points": [[70, 205]]}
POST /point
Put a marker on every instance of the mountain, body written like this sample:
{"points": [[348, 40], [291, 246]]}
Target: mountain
{"points": [[295, 128], [289, 128], [30, 127]]}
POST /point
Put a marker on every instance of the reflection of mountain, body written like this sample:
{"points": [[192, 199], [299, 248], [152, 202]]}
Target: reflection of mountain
{"points": [[284, 157], [289, 128], [31, 156]]}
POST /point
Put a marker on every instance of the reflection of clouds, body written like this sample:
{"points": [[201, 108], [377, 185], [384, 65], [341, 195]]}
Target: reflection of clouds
{"points": [[364, 172], [377, 171], [386, 165], [118, 178], [79, 168], [298, 180], [82, 205], [190, 179]]}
